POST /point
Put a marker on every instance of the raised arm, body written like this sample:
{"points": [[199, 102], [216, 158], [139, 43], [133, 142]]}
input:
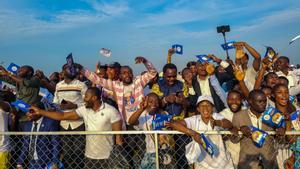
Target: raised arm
{"points": [[255, 54], [105, 83], [170, 53], [133, 119], [145, 78], [8, 77], [240, 76]]}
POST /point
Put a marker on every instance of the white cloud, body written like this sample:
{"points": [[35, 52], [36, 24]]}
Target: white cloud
{"points": [[16, 22], [110, 9], [273, 19]]}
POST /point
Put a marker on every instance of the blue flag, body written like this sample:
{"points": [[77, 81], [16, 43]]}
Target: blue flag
{"points": [[20, 104], [178, 49], [228, 45], [203, 58], [46, 94], [71, 65], [13, 68], [159, 121], [207, 146]]}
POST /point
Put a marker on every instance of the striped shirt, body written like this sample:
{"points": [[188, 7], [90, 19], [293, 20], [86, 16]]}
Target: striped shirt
{"points": [[117, 87], [73, 92]]}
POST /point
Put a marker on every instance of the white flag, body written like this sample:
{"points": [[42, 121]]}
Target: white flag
{"points": [[105, 52], [295, 38]]}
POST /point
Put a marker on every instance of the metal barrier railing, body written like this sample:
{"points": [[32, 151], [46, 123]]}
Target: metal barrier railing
{"points": [[17, 140]]}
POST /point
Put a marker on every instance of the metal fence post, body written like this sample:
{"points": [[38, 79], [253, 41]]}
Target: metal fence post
{"points": [[156, 151]]}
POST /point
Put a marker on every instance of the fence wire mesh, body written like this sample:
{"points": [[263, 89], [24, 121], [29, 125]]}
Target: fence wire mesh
{"points": [[143, 150]]}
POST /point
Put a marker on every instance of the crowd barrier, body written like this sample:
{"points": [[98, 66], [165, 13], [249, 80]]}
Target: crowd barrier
{"points": [[140, 149]]}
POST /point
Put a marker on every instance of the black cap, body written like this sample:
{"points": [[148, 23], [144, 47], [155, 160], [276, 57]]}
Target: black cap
{"points": [[114, 65]]}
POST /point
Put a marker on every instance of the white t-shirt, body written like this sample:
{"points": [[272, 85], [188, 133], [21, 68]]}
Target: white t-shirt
{"points": [[250, 77], [99, 146], [4, 140], [221, 159]]}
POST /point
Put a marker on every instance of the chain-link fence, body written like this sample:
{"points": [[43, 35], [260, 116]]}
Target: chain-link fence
{"points": [[144, 149]]}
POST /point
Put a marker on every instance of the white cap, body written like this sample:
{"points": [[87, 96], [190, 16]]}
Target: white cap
{"points": [[205, 98]]}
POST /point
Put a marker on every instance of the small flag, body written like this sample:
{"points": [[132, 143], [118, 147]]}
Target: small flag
{"points": [[258, 136], [20, 104], [295, 38], [159, 121], [70, 63], [204, 58], [270, 53], [295, 120], [228, 45], [105, 52], [207, 146], [273, 117], [13, 68], [46, 94], [178, 49]]}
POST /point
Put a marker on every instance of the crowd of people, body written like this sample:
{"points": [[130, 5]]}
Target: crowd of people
{"points": [[207, 95]]}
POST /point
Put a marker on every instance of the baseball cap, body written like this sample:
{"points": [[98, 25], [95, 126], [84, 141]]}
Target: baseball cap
{"points": [[114, 65], [205, 98]]}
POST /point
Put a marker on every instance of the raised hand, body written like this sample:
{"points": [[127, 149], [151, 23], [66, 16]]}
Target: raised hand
{"points": [[210, 68], [171, 51], [214, 58], [40, 74], [238, 73], [239, 44], [140, 59], [98, 67], [144, 103]]}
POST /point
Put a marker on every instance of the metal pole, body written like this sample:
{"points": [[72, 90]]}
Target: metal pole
{"points": [[156, 151], [227, 55]]}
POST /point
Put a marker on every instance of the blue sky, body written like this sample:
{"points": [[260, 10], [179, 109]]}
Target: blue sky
{"points": [[42, 33]]}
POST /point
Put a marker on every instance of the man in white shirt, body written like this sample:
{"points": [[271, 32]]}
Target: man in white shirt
{"points": [[282, 69], [234, 102], [97, 116], [69, 94]]}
